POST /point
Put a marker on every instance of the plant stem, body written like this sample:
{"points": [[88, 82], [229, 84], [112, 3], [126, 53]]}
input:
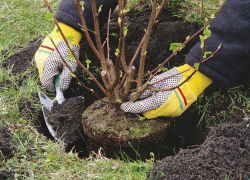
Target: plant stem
{"points": [[145, 44], [97, 35]]}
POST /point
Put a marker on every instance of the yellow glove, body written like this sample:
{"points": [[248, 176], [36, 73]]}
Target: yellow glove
{"points": [[169, 103], [48, 61]]}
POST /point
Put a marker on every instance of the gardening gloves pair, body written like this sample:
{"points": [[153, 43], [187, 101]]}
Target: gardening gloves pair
{"points": [[169, 103], [49, 62]]}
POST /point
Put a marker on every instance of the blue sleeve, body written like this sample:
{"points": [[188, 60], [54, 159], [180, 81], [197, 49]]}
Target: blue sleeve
{"points": [[231, 28], [68, 14]]}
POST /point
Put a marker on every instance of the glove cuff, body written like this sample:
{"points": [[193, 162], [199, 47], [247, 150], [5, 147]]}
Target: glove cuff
{"points": [[67, 31], [198, 82]]}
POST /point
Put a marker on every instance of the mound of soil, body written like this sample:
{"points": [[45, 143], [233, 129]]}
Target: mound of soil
{"points": [[23, 59], [66, 119], [225, 153]]}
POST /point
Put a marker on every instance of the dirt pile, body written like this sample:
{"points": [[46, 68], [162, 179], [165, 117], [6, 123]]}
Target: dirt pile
{"points": [[225, 153], [66, 119]]}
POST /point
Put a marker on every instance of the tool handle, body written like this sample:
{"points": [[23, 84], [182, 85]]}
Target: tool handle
{"points": [[59, 94], [57, 77]]}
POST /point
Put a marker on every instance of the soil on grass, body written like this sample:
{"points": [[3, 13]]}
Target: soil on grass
{"points": [[5, 139], [183, 132]]}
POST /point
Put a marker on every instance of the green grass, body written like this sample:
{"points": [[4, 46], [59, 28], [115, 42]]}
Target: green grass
{"points": [[191, 10], [221, 104], [22, 21], [36, 157]]}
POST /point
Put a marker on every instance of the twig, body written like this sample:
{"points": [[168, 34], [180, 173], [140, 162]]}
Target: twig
{"points": [[108, 48], [97, 35], [91, 44], [159, 10], [187, 69], [86, 28], [145, 44]]}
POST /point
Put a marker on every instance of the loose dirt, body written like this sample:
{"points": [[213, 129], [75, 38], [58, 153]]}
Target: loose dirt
{"points": [[187, 152], [225, 153]]}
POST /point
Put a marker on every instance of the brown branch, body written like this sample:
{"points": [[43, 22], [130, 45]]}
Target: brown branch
{"points": [[91, 44], [121, 56], [145, 44], [187, 69], [140, 45], [122, 36], [128, 82], [86, 28], [137, 52], [79, 62], [159, 10], [97, 35], [172, 88], [139, 92], [204, 27], [108, 48], [48, 5]]}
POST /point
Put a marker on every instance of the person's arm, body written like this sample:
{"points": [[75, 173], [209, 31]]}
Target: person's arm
{"points": [[230, 28], [68, 14]]}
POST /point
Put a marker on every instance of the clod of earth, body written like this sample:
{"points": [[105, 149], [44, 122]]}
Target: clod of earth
{"points": [[105, 128], [66, 119]]}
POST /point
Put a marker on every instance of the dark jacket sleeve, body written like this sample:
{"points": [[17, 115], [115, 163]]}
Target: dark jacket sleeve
{"points": [[231, 28], [68, 14]]}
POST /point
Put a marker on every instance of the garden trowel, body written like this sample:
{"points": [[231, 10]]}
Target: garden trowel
{"points": [[48, 103]]}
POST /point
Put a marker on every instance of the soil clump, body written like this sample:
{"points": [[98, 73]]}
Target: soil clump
{"points": [[118, 134], [66, 119]]}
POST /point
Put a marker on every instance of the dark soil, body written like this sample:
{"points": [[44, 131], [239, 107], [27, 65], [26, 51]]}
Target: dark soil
{"points": [[66, 119], [5, 139], [226, 148], [225, 152]]}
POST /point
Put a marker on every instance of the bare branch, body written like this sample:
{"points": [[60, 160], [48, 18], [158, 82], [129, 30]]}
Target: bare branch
{"points": [[108, 49], [97, 35], [91, 44], [128, 82], [169, 89], [159, 10], [145, 45], [139, 92]]}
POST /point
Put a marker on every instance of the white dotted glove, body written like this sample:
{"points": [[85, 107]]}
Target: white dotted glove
{"points": [[154, 99], [53, 64]]}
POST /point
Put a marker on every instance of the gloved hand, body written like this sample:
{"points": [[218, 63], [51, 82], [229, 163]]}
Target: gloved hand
{"points": [[49, 62], [169, 103]]}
